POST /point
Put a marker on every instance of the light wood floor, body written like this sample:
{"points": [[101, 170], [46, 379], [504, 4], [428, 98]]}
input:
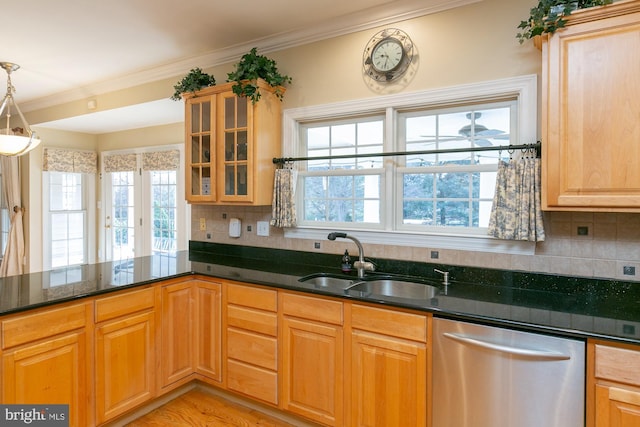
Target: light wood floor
{"points": [[199, 408]]}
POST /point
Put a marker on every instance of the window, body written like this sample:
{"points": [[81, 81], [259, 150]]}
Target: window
{"points": [[400, 197], [66, 219]]}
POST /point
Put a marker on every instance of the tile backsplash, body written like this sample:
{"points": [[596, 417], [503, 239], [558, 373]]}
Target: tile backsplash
{"points": [[598, 245]]}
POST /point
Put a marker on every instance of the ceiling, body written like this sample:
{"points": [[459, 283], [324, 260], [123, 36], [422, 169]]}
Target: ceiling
{"points": [[75, 49]]}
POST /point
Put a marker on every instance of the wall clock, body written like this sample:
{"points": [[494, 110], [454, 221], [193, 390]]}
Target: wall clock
{"points": [[387, 55]]}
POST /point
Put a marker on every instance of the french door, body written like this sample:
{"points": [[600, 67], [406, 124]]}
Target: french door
{"points": [[144, 211]]}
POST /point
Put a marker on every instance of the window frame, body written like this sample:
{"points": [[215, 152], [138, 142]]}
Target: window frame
{"points": [[522, 88]]}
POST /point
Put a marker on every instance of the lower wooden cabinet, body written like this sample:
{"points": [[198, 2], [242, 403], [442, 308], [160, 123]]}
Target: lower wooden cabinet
{"points": [[388, 368], [125, 352], [614, 385], [208, 330], [45, 360], [312, 357], [177, 338], [252, 342]]}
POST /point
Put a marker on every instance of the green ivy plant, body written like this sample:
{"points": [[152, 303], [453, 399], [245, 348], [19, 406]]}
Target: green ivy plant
{"points": [[549, 15], [252, 67], [192, 82]]}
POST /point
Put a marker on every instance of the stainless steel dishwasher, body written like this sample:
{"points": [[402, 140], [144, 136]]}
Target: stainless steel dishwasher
{"points": [[484, 376]]}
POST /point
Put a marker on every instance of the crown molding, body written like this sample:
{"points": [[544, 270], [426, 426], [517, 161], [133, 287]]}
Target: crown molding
{"points": [[361, 21]]}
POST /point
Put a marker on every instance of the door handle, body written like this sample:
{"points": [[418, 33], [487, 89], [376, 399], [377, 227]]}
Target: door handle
{"points": [[517, 351]]}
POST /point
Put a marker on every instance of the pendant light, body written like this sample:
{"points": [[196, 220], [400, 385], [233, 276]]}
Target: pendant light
{"points": [[16, 139]]}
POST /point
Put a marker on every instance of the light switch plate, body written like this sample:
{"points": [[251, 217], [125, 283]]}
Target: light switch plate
{"points": [[263, 228], [203, 224]]}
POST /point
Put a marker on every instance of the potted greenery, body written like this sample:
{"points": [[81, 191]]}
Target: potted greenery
{"points": [[195, 80], [253, 67], [549, 15]]}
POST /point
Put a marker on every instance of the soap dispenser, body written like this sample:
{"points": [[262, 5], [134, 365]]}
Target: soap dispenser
{"points": [[346, 262]]}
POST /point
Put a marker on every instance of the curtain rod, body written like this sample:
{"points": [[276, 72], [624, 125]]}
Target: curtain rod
{"points": [[536, 146]]}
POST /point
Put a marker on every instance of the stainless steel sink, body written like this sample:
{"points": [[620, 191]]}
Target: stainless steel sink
{"points": [[327, 281], [395, 288]]}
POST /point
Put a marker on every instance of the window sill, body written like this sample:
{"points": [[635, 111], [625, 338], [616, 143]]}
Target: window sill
{"points": [[423, 240]]}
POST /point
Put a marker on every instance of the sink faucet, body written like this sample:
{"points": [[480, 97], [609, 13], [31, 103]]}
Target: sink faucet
{"points": [[361, 265], [445, 276]]}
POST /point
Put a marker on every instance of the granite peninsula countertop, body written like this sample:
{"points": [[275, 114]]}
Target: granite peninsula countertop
{"points": [[568, 306]]}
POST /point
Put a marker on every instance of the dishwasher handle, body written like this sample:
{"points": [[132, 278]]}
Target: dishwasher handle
{"points": [[539, 354]]}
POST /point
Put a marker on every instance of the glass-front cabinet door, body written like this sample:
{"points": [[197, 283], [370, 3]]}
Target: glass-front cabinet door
{"points": [[230, 146], [200, 149], [236, 149]]}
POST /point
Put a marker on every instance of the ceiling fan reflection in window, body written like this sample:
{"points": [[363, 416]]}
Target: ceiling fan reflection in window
{"points": [[479, 134]]}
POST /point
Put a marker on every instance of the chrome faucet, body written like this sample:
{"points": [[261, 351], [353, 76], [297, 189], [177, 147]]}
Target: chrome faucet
{"points": [[361, 265], [445, 276]]}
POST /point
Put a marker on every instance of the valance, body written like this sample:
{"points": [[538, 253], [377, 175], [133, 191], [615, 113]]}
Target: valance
{"points": [[120, 162], [61, 160], [161, 160]]}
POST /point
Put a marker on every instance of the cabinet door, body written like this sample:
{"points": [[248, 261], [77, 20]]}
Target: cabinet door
{"points": [[235, 148], [200, 150], [209, 330], [389, 381], [177, 336], [49, 372], [591, 153], [125, 374], [617, 407], [312, 370]]}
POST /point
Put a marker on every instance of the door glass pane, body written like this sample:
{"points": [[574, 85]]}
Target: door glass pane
{"points": [[242, 145], [242, 180], [195, 181], [242, 112], [229, 112], [195, 149], [206, 148], [206, 116], [123, 217], [164, 205], [195, 118], [229, 149], [229, 184]]}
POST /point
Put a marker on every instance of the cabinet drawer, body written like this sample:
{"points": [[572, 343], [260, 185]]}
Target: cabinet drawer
{"points": [[122, 304], [618, 364], [312, 308], [252, 348], [252, 381], [388, 322], [262, 299], [253, 320], [32, 327]]}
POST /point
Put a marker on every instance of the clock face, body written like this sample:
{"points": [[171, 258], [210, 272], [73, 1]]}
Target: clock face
{"points": [[387, 56]]}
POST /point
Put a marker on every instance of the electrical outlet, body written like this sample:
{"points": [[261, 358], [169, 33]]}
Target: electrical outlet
{"points": [[203, 224]]}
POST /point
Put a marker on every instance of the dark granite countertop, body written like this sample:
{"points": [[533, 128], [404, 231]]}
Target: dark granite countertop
{"points": [[561, 305]]}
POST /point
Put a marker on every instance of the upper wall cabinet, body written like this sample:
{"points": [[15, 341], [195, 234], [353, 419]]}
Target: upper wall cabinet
{"points": [[230, 145], [591, 111]]}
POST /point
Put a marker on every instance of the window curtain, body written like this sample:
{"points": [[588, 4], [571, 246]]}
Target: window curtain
{"points": [[14, 252], [283, 209], [516, 213], [60, 160]]}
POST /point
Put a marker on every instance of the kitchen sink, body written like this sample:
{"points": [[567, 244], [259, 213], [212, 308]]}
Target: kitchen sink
{"points": [[394, 288], [327, 281]]}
